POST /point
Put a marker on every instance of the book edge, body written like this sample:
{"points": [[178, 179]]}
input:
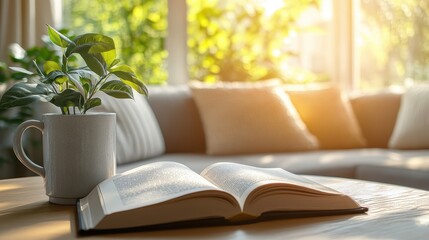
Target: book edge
{"points": [[213, 222]]}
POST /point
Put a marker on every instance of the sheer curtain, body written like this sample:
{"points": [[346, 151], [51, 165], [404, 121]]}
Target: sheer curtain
{"points": [[24, 22]]}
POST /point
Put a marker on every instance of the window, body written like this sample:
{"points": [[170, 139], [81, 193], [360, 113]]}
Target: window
{"points": [[227, 40], [255, 40], [393, 40], [139, 28], [360, 44]]}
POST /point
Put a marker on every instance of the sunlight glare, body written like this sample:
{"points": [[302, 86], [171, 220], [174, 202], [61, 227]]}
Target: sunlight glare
{"points": [[54, 229], [276, 53], [271, 6], [5, 205], [267, 159], [422, 221], [6, 187], [327, 10], [417, 162], [291, 38]]}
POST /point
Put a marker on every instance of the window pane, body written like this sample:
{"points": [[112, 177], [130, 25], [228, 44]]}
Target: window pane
{"points": [[393, 40], [139, 28], [235, 40]]}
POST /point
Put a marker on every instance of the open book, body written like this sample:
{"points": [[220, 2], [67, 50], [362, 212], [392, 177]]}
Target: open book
{"points": [[169, 192]]}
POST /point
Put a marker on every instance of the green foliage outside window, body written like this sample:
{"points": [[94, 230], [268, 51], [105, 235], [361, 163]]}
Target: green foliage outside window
{"points": [[228, 40], [138, 27], [394, 42], [238, 40]]}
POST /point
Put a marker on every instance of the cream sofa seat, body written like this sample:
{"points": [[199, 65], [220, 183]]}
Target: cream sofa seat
{"points": [[402, 167]]}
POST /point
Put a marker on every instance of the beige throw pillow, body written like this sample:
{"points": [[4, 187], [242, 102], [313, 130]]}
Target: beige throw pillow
{"points": [[376, 114], [329, 117], [246, 120], [412, 125]]}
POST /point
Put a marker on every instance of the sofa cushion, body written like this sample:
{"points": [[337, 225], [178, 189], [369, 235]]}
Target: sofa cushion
{"points": [[241, 120], [376, 114], [137, 131], [329, 117], [412, 125], [417, 178]]}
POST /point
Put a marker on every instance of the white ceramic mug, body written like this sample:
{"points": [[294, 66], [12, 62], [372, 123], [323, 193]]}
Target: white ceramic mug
{"points": [[78, 153]]}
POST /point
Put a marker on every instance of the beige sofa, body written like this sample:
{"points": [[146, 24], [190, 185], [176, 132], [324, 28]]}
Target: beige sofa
{"points": [[184, 138]]}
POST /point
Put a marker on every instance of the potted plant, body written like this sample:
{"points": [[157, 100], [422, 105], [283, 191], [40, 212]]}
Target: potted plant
{"points": [[74, 88], [78, 147]]}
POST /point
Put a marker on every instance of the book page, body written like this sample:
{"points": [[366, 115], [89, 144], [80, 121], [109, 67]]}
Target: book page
{"points": [[151, 184], [240, 180]]}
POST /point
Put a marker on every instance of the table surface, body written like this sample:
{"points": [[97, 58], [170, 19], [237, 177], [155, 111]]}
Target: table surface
{"points": [[394, 213]]}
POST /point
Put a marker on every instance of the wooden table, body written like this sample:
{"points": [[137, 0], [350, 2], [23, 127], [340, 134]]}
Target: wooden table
{"points": [[394, 213]]}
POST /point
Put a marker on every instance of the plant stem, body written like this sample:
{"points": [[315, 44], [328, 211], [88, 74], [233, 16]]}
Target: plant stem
{"points": [[102, 80], [65, 68]]}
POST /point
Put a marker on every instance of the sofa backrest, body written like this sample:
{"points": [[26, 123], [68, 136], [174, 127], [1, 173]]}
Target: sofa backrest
{"points": [[178, 118], [182, 128]]}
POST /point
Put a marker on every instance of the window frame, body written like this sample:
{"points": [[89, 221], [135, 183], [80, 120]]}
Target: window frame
{"points": [[176, 43], [345, 70]]}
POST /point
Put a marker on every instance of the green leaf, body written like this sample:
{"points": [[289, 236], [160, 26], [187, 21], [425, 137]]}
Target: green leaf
{"points": [[86, 83], [77, 83], [91, 43], [117, 89], [18, 76], [95, 62], [126, 74], [93, 102], [50, 66], [22, 94], [137, 85], [109, 56], [102, 43], [85, 73], [116, 61], [55, 76], [122, 68], [61, 80], [58, 38], [68, 98], [21, 70]]}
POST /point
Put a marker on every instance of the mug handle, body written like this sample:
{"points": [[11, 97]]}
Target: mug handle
{"points": [[19, 150]]}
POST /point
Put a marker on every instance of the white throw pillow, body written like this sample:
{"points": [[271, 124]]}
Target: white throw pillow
{"points": [[138, 134], [412, 124]]}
